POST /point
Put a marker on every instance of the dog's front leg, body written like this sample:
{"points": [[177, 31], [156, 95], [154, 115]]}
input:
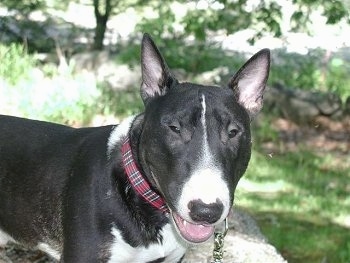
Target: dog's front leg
{"points": [[81, 250], [82, 238]]}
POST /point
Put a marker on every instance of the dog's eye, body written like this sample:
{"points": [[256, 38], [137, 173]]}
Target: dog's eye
{"points": [[175, 129], [232, 133]]}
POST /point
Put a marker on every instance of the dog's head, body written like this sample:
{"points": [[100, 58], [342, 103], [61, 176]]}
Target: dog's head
{"points": [[196, 139]]}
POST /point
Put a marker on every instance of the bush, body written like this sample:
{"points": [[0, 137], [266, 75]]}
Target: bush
{"points": [[337, 77], [316, 70], [16, 64], [26, 91], [194, 58]]}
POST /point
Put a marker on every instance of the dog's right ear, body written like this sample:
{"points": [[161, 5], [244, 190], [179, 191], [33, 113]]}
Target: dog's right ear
{"points": [[156, 77], [249, 82]]}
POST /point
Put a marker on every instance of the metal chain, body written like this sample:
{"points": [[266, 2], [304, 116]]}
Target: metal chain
{"points": [[218, 251]]}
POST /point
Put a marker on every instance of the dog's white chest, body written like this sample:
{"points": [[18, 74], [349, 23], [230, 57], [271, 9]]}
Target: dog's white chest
{"points": [[171, 249]]}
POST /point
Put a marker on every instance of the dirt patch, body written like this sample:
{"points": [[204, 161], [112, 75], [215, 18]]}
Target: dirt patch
{"points": [[17, 254], [324, 135]]}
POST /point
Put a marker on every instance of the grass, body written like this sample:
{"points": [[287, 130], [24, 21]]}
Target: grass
{"points": [[300, 200]]}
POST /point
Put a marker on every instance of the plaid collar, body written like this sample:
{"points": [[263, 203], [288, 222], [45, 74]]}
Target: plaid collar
{"points": [[138, 182]]}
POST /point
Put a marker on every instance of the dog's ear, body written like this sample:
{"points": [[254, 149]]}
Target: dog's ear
{"points": [[156, 77], [249, 82]]}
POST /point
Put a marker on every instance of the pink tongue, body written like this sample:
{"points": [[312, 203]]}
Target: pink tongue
{"points": [[192, 232]]}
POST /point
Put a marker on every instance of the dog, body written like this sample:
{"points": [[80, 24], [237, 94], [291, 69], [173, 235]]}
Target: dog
{"points": [[141, 191]]}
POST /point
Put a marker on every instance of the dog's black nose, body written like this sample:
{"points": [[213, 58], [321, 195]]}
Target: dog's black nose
{"points": [[205, 213]]}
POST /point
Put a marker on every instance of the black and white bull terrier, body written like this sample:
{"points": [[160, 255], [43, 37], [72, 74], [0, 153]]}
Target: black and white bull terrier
{"points": [[140, 191]]}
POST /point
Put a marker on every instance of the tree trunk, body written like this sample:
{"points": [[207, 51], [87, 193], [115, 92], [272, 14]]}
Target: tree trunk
{"points": [[101, 17], [100, 29]]}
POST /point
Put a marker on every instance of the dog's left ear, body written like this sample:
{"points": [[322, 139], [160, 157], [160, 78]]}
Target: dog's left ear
{"points": [[249, 82], [156, 77]]}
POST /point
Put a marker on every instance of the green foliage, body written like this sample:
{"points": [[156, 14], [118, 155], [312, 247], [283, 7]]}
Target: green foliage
{"points": [[231, 16], [121, 103], [296, 70], [64, 99], [194, 58], [228, 16], [24, 6], [335, 11], [314, 71], [337, 77], [69, 99], [267, 19], [265, 132], [163, 23], [129, 54], [26, 91], [220, 15], [16, 64]]}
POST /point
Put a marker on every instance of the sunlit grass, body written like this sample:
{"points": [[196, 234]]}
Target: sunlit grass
{"points": [[296, 198]]}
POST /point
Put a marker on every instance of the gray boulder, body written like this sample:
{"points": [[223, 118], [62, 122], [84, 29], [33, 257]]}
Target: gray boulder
{"points": [[107, 70], [243, 243], [302, 106]]}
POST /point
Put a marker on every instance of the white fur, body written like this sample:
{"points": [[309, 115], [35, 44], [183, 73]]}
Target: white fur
{"points": [[249, 85], [206, 182], [205, 151], [49, 250], [5, 238], [171, 248], [204, 124], [118, 131], [207, 185]]}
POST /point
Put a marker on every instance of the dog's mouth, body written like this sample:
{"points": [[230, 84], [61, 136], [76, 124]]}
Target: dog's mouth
{"points": [[194, 233], [191, 232]]}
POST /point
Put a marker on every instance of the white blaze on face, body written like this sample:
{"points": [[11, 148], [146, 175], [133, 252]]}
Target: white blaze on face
{"points": [[206, 182], [205, 148]]}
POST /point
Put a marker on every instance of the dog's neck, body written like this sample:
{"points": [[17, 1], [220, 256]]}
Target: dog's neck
{"points": [[137, 180]]}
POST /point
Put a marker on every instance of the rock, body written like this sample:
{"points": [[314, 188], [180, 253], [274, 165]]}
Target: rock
{"points": [[302, 106], [215, 76], [89, 61], [13, 253], [117, 76], [328, 103], [243, 243]]}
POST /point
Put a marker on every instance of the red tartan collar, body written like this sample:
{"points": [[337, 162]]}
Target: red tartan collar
{"points": [[137, 181]]}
